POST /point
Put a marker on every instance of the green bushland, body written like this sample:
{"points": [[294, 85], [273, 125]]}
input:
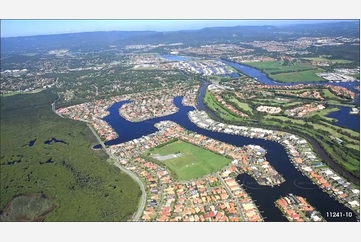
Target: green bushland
{"points": [[194, 162], [82, 185]]}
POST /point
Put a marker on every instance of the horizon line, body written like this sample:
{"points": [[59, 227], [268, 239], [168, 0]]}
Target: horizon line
{"points": [[189, 29]]}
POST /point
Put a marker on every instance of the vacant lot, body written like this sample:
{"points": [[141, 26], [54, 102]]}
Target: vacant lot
{"points": [[195, 161], [293, 72], [298, 76], [328, 60], [273, 67]]}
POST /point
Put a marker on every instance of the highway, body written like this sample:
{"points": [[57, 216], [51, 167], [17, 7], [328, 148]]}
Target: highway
{"points": [[131, 174]]}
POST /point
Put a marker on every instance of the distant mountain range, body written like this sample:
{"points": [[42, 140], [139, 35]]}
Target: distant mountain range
{"points": [[99, 40]]}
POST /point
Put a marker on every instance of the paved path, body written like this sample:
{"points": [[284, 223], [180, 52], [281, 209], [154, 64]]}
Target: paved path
{"points": [[131, 174], [53, 107]]}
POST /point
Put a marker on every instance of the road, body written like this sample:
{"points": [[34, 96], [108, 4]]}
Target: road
{"points": [[131, 174], [230, 193], [53, 107]]}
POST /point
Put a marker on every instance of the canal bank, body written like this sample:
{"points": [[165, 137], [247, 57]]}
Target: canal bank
{"points": [[317, 147], [264, 196], [344, 119]]}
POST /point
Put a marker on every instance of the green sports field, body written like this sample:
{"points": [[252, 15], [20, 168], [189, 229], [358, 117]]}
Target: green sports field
{"points": [[195, 161]]}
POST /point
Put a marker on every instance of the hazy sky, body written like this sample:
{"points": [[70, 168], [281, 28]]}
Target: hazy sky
{"points": [[12, 28]]}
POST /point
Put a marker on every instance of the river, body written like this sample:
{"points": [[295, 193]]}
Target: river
{"points": [[344, 118]]}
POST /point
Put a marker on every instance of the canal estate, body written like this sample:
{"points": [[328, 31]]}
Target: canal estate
{"points": [[263, 196], [129, 141]]}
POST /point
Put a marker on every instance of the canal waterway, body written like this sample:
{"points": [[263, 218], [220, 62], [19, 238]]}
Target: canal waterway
{"points": [[345, 119], [264, 197]]}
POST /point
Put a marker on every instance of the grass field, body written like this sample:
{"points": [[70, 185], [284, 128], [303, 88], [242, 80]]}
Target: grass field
{"points": [[328, 60], [277, 66], [222, 111], [195, 161], [243, 106], [16, 92], [338, 103], [298, 72], [324, 126], [299, 76], [277, 102], [323, 113], [292, 104], [356, 147], [329, 95]]}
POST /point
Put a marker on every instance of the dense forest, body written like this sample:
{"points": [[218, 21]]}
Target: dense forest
{"points": [[82, 185]]}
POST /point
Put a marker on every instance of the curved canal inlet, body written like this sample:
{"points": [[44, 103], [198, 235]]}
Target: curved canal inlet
{"points": [[264, 197]]}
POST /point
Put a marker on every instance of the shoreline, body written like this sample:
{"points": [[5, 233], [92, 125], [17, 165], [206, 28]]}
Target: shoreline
{"points": [[298, 166], [315, 145], [277, 82], [300, 213]]}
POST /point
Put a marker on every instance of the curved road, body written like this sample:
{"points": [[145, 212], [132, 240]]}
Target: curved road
{"points": [[131, 174]]}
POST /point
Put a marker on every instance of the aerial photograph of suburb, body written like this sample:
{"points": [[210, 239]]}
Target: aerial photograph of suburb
{"points": [[180, 121]]}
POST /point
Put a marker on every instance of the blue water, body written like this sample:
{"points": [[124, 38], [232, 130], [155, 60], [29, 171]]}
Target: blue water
{"points": [[344, 118], [48, 142], [179, 58], [263, 196], [262, 77], [277, 156], [32, 142]]}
